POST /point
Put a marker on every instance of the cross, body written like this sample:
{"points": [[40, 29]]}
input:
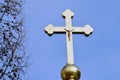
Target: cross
{"points": [[68, 29]]}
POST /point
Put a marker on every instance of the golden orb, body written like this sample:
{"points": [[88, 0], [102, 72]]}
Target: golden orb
{"points": [[70, 72]]}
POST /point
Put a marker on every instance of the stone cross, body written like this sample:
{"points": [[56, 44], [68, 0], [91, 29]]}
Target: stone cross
{"points": [[68, 29]]}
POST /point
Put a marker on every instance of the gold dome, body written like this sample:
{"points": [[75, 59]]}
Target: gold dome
{"points": [[70, 72]]}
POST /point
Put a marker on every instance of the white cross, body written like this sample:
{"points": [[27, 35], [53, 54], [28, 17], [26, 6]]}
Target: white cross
{"points": [[68, 29]]}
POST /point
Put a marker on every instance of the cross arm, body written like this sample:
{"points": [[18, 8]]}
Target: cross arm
{"points": [[87, 30], [50, 29]]}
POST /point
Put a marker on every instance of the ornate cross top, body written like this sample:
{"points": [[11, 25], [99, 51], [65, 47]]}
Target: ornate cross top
{"points": [[68, 29]]}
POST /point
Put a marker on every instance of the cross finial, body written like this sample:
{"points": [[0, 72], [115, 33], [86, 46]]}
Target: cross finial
{"points": [[68, 29], [68, 13]]}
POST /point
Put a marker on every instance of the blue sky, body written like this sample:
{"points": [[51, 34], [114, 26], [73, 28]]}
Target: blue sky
{"points": [[97, 56]]}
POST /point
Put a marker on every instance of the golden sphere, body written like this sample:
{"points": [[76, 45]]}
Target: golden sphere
{"points": [[70, 72]]}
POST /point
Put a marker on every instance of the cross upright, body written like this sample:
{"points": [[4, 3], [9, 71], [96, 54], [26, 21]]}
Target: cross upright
{"points": [[68, 29]]}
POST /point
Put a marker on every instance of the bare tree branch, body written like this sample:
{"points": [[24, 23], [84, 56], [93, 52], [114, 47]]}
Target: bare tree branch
{"points": [[12, 55]]}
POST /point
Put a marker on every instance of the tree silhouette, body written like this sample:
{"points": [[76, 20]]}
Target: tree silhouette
{"points": [[12, 34]]}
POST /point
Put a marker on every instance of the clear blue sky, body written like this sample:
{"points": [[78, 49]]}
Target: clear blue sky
{"points": [[98, 56]]}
